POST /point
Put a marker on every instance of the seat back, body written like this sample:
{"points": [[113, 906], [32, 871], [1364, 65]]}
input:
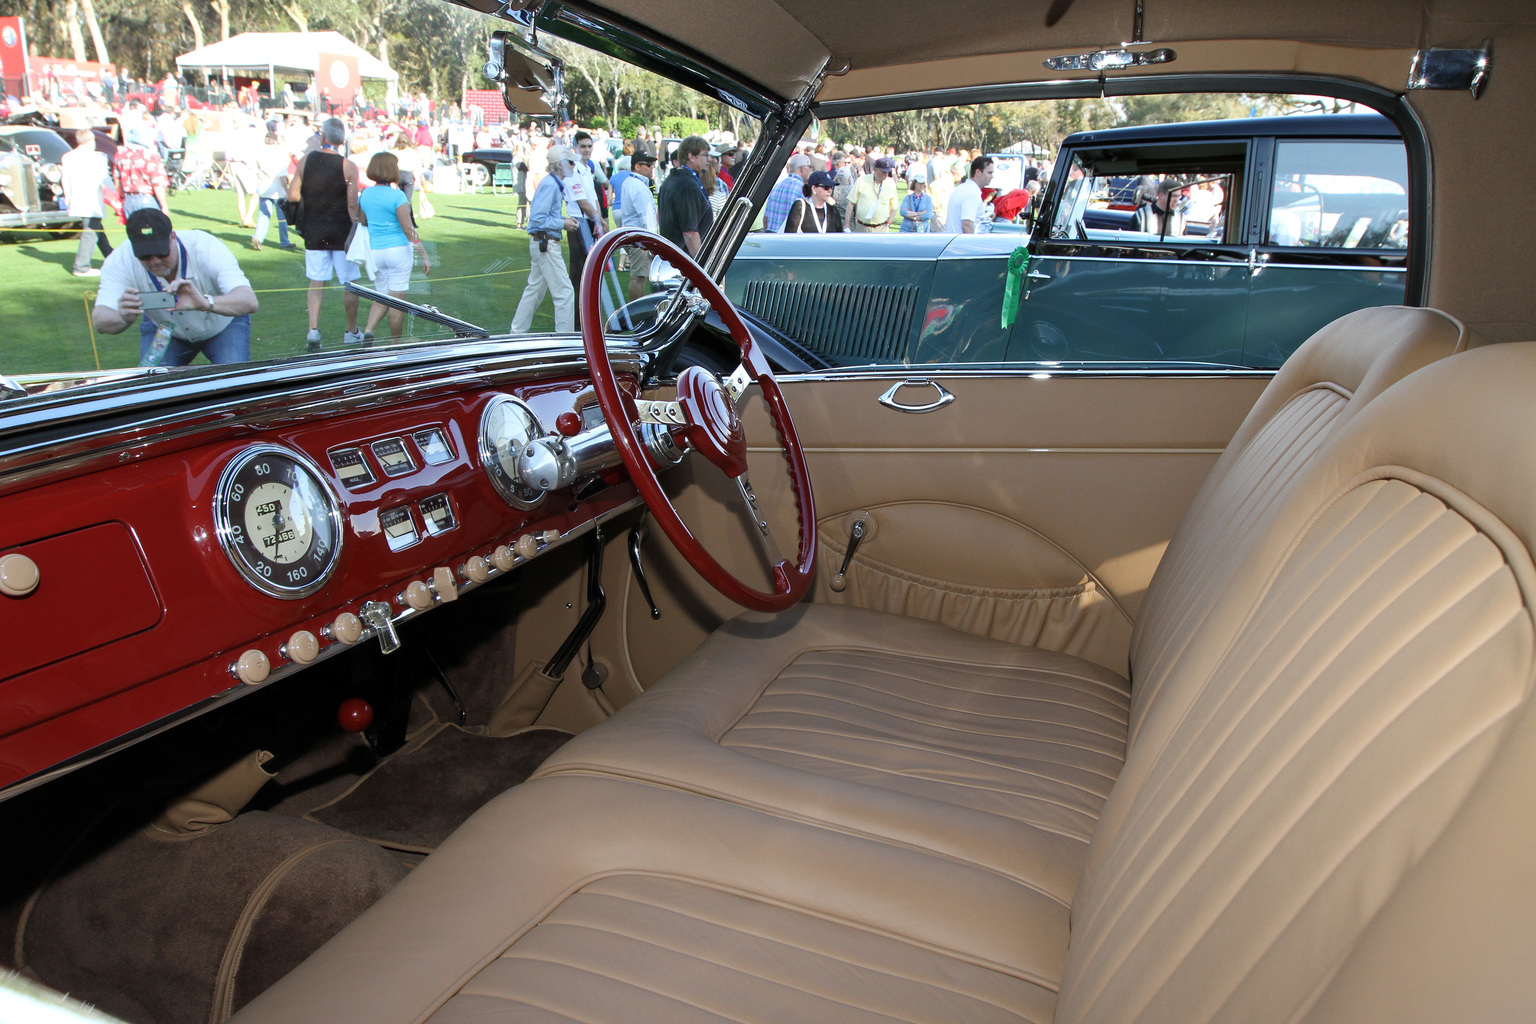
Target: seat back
{"points": [[1303, 811], [1333, 375]]}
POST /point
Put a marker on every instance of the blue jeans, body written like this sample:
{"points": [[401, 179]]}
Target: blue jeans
{"points": [[264, 222], [231, 345], [139, 201]]}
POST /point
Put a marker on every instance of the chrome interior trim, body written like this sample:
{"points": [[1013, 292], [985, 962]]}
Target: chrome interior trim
{"points": [[1032, 371], [278, 672], [889, 398], [58, 436], [1241, 264], [947, 450]]}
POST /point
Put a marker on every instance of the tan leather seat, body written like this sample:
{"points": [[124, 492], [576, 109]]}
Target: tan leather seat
{"points": [[1329, 822], [989, 751]]}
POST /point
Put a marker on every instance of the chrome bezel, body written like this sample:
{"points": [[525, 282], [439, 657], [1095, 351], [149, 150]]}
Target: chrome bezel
{"points": [[492, 465], [222, 521]]}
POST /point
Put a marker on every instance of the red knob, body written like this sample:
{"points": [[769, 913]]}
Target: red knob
{"points": [[568, 424], [354, 715]]}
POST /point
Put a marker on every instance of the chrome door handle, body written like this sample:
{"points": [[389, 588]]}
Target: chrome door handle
{"points": [[889, 398], [1035, 275]]}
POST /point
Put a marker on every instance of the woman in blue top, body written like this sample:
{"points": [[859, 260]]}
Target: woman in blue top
{"points": [[391, 233], [917, 208]]}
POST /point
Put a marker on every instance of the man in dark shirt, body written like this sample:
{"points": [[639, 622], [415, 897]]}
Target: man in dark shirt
{"points": [[684, 212]]}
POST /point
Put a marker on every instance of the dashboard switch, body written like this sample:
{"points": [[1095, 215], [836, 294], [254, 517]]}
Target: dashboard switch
{"points": [[377, 615], [568, 424], [550, 536], [527, 545], [302, 648], [476, 569], [503, 558], [444, 585], [18, 575], [418, 595], [347, 629], [252, 667]]}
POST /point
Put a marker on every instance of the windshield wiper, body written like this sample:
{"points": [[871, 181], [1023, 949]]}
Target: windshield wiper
{"points": [[460, 328]]}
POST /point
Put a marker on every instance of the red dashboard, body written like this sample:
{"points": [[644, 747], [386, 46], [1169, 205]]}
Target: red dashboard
{"points": [[140, 611]]}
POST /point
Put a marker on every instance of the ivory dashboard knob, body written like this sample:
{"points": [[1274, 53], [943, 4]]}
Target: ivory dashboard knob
{"points": [[527, 545], [18, 575], [418, 595], [503, 558], [444, 585], [252, 667], [477, 570], [347, 629], [302, 647], [550, 536]]}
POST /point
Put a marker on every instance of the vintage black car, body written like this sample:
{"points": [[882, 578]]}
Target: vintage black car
{"points": [[1113, 688]]}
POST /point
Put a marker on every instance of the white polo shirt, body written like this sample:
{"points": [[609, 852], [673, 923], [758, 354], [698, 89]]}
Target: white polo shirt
{"points": [[209, 265], [964, 204]]}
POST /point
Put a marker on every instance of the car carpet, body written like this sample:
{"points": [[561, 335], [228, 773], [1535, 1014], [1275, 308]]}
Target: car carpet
{"points": [[413, 800]]}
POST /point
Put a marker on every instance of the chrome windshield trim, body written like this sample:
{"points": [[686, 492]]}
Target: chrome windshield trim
{"points": [[119, 426]]}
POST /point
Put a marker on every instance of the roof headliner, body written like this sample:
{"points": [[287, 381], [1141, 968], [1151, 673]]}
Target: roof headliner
{"points": [[782, 44]]}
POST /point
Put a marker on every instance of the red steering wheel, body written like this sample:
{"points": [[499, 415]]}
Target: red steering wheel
{"points": [[705, 415]]}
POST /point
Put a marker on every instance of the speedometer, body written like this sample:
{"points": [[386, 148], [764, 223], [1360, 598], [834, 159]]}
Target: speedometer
{"points": [[505, 429], [278, 521]]}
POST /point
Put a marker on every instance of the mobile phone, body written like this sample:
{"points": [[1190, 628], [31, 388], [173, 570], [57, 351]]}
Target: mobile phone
{"points": [[157, 300]]}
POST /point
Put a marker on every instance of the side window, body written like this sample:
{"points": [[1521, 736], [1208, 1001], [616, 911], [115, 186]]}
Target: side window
{"points": [[1149, 197], [1339, 194]]}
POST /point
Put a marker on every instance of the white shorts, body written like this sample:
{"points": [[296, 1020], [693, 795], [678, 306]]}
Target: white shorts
{"points": [[392, 268], [319, 264]]}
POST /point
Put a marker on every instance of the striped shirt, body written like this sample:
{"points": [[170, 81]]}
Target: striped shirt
{"points": [[783, 196]]}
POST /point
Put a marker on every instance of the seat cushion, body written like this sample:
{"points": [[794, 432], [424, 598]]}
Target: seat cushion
{"points": [[975, 748], [596, 898]]}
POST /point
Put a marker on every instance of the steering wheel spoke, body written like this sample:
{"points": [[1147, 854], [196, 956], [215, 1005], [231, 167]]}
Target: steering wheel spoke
{"points": [[706, 413], [666, 414]]}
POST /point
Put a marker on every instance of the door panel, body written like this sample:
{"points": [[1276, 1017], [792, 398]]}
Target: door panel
{"points": [[1068, 487]]}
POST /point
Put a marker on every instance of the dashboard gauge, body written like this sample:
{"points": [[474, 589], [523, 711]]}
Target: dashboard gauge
{"points": [[506, 427], [399, 528], [393, 457], [351, 468], [278, 521], [437, 514], [434, 446]]}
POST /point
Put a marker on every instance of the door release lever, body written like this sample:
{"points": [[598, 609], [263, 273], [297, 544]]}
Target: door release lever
{"points": [[855, 535]]}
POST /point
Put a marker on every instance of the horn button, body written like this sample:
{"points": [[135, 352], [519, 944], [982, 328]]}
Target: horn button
{"points": [[714, 425]]}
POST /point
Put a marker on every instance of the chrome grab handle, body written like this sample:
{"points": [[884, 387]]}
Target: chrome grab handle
{"points": [[889, 398], [1036, 275]]}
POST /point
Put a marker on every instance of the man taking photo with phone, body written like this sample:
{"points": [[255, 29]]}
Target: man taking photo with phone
{"points": [[188, 288]]}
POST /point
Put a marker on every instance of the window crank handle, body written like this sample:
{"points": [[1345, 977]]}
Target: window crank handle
{"points": [[840, 581]]}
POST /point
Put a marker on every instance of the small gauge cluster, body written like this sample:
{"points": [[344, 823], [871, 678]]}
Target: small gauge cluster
{"points": [[404, 525], [393, 456]]}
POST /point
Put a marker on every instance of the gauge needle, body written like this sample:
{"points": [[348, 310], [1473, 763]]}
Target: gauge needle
{"points": [[277, 526]]}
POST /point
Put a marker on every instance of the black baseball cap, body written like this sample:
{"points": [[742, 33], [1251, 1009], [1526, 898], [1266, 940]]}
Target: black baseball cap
{"points": [[642, 158], [150, 232]]}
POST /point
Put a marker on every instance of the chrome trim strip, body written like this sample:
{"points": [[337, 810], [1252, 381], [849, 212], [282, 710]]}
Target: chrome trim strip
{"points": [[278, 672], [54, 437], [1031, 371], [938, 450], [1234, 263]]}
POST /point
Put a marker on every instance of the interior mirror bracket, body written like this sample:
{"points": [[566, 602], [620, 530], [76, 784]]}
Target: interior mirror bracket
{"points": [[1439, 67]]}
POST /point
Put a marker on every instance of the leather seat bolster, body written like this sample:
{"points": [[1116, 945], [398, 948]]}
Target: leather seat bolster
{"points": [[526, 853]]}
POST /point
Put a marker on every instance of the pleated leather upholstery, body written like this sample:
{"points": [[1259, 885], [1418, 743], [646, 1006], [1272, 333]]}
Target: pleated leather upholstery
{"points": [[671, 950], [1328, 380], [1268, 815], [1038, 744]]}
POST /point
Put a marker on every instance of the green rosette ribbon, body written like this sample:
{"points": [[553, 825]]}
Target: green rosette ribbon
{"points": [[1018, 264]]}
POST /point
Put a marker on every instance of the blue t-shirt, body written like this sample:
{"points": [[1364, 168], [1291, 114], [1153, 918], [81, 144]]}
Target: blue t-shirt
{"points": [[379, 203]]}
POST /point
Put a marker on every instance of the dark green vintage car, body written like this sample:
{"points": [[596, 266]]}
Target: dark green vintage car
{"points": [[1286, 224]]}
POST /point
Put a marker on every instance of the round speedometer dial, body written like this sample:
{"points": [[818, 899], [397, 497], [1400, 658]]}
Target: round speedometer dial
{"points": [[505, 429], [278, 521]]}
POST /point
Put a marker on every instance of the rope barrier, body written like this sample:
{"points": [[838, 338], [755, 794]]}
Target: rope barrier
{"points": [[86, 298]]}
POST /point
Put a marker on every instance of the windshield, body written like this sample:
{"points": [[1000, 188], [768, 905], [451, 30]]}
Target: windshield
{"points": [[226, 227]]}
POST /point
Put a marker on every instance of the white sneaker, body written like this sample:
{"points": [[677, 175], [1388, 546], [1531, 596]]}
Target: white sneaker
{"points": [[352, 338], [312, 341], [92, 272]]}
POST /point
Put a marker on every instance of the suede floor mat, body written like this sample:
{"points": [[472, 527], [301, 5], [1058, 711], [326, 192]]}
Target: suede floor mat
{"points": [[417, 797]]}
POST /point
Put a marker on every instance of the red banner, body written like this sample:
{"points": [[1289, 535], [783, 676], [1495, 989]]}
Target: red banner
{"points": [[13, 57], [490, 103], [336, 82]]}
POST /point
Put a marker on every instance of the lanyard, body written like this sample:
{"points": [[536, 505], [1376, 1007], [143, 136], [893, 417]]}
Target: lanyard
{"points": [[821, 222], [154, 279]]}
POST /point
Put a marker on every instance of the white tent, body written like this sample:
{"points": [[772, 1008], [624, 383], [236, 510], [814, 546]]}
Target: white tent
{"points": [[271, 52]]}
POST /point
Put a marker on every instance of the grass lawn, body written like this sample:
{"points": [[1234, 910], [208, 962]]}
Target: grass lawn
{"points": [[479, 267]]}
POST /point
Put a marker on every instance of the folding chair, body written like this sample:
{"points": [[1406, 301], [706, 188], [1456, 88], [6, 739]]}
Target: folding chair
{"points": [[502, 180]]}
